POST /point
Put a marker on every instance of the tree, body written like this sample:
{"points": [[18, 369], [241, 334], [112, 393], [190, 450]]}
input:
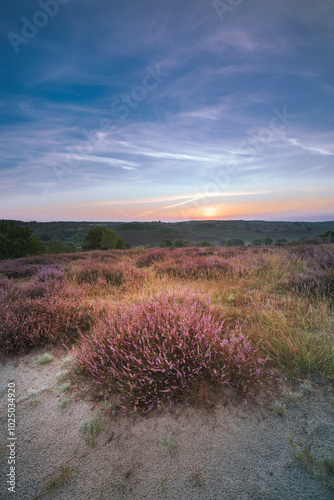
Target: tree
{"points": [[268, 241], [179, 243], [235, 242], [109, 239], [100, 238], [166, 243], [326, 234], [257, 242], [60, 247], [17, 241], [93, 239]]}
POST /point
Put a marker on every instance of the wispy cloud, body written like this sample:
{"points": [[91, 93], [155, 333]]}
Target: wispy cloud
{"points": [[209, 123]]}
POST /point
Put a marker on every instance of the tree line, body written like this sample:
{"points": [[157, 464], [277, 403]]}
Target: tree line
{"points": [[17, 241]]}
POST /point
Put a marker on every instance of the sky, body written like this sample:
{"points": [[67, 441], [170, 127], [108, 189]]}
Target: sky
{"points": [[167, 110]]}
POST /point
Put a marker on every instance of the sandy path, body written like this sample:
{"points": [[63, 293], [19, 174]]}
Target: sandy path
{"points": [[234, 452]]}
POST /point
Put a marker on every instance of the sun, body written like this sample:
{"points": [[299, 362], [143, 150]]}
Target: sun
{"points": [[210, 212]]}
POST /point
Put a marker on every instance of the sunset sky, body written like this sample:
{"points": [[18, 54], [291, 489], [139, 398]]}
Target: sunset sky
{"points": [[167, 110]]}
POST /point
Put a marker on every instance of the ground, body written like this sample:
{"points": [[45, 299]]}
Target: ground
{"points": [[232, 452]]}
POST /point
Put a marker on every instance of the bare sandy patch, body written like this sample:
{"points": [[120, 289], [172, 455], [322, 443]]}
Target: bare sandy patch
{"points": [[233, 452]]}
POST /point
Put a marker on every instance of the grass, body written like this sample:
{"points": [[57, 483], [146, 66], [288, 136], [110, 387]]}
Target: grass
{"points": [[61, 479], [91, 428], [45, 358], [279, 408], [170, 445], [322, 469], [292, 397], [63, 403], [62, 375], [58, 480], [65, 386], [33, 395]]}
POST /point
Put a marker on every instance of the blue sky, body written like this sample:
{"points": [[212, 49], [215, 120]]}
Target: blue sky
{"points": [[167, 110]]}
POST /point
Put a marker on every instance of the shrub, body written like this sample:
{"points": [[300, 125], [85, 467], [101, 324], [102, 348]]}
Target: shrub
{"points": [[193, 267], [316, 282], [39, 314], [92, 270], [314, 257], [162, 350], [50, 273], [19, 268], [151, 256], [100, 275]]}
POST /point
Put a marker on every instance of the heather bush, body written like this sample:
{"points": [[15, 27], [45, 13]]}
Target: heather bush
{"points": [[151, 256], [161, 350], [313, 257], [194, 267], [100, 275], [18, 268], [50, 273], [93, 270], [40, 313], [316, 282]]}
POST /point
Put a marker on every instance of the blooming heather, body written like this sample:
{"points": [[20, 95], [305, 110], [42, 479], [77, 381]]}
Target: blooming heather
{"points": [[38, 313], [161, 350]]}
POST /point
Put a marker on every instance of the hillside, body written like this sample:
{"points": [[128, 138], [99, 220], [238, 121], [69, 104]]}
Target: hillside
{"points": [[216, 232]]}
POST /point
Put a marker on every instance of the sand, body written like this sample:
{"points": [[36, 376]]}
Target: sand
{"points": [[231, 452]]}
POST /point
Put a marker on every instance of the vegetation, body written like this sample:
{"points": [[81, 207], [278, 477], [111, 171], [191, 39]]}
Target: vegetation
{"points": [[101, 238], [235, 242], [163, 325], [45, 358], [162, 349], [215, 232], [321, 468], [17, 241], [91, 428], [326, 234]]}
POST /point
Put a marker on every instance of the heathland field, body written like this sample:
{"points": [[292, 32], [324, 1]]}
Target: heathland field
{"points": [[143, 333]]}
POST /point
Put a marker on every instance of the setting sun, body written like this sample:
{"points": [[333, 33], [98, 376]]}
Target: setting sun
{"points": [[210, 212]]}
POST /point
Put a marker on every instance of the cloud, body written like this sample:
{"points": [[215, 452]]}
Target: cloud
{"points": [[211, 118]]}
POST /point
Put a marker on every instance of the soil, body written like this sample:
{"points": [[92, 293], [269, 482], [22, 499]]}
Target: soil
{"points": [[232, 452]]}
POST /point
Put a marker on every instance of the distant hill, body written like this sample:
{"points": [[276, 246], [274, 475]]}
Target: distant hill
{"points": [[216, 232]]}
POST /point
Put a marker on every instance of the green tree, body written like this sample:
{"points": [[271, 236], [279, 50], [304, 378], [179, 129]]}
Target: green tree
{"points": [[100, 238], [109, 239], [268, 241], [93, 239], [326, 234], [60, 247], [235, 242], [17, 241], [166, 243], [179, 243], [257, 242]]}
